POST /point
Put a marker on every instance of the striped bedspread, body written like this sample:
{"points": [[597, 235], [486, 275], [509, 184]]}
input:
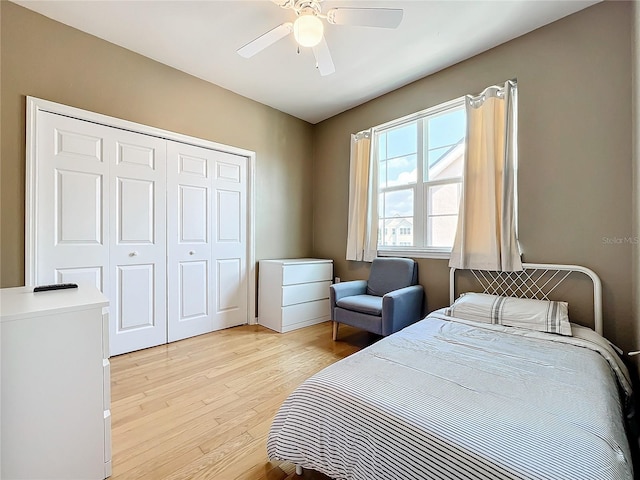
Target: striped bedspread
{"points": [[448, 400]]}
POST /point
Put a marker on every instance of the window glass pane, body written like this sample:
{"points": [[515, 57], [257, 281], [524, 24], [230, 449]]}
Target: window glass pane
{"points": [[402, 140], [444, 199], [382, 175], [442, 230], [442, 214], [396, 231], [436, 154], [382, 146], [448, 163], [445, 134], [447, 128], [402, 170], [398, 203]]}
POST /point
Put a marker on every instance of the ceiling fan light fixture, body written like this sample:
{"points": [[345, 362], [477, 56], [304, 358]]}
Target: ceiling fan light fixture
{"points": [[308, 30]]}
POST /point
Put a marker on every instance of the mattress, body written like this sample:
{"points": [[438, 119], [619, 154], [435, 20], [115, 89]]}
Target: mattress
{"points": [[446, 399]]}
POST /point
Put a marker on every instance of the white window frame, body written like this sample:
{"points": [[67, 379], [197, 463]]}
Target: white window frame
{"points": [[420, 188]]}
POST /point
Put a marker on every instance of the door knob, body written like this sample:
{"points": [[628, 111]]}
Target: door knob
{"points": [[192, 252], [133, 254]]}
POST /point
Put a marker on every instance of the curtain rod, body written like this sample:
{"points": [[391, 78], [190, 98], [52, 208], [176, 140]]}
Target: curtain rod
{"points": [[434, 109], [492, 91], [363, 134]]}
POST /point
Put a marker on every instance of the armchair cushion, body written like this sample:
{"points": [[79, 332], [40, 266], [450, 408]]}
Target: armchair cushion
{"points": [[368, 304], [388, 274]]}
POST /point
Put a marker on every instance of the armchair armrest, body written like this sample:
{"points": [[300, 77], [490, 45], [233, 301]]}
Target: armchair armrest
{"points": [[346, 289], [401, 308]]}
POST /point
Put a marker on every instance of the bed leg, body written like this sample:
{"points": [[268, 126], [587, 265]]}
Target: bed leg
{"points": [[335, 331], [298, 470]]}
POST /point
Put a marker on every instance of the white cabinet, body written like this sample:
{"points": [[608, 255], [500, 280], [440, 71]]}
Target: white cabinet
{"points": [[294, 293], [55, 400]]}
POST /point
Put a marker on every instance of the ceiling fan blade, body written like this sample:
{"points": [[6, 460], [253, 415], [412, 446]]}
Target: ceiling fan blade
{"points": [[366, 17], [323, 58], [263, 41]]}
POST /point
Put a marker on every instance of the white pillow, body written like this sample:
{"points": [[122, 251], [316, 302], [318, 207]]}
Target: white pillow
{"points": [[541, 315]]}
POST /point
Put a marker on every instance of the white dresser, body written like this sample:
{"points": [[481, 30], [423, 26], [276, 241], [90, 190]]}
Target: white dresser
{"points": [[294, 293], [55, 400]]}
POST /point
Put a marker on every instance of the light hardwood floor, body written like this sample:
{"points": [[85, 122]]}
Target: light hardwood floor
{"points": [[201, 408]]}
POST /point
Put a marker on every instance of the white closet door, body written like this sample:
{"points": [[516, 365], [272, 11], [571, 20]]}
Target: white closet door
{"points": [[230, 239], [189, 268], [137, 228], [70, 197], [98, 214]]}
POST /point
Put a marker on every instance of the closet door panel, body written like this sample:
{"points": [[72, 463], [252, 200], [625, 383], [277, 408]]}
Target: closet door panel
{"points": [[134, 290], [194, 290], [138, 246], [230, 239], [193, 214], [135, 211], [189, 214], [78, 208], [229, 296], [229, 216], [90, 275], [71, 202]]}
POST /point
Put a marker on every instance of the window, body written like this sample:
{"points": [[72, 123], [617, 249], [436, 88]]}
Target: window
{"points": [[420, 165]]}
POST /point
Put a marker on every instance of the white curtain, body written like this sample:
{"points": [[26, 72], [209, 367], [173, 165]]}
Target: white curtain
{"points": [[486, 234], [362, 233]]}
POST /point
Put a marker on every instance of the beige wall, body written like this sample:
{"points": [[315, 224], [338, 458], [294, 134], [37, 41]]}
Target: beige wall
{"points": [[47, 59], [575, 183]]}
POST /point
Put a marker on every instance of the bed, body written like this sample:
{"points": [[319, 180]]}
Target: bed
{"points": [[453, 398]]}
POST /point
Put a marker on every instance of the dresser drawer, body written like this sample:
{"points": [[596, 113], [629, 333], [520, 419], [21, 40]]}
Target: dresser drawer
{"points": [[306, 272], [304, 292], [304, 312]]}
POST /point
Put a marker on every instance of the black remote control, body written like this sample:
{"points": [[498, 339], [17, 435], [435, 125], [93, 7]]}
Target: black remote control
{"points": [[56, 286]]}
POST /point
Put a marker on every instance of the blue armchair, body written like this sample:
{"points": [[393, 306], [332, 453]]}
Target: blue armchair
{"points": [[389, 301]]}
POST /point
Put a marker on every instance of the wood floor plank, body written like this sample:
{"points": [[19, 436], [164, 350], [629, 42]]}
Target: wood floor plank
{"points": [[201, 408]]}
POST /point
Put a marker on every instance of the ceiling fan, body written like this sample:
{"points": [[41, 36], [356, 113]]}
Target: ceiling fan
{"points": [[308, 28]]}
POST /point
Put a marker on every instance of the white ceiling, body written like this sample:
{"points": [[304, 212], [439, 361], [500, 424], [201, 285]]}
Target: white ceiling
{"points": [[201, 38]]}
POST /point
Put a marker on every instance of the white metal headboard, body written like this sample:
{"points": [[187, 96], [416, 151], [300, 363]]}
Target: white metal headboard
{"points": [[536, 280]]}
